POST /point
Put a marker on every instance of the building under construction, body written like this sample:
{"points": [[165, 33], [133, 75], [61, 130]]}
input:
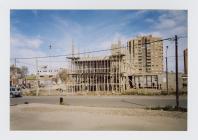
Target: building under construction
{"points": [[133, 66]]}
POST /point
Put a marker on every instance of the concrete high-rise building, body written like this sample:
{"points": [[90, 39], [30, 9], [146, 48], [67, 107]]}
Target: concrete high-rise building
{"points": [[146, 55]]}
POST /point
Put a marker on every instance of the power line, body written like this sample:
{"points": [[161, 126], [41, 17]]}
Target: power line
{"points": [[65, 61], [175, 56], [25, 63], [169, 39], [51, 61], [181, 36]]}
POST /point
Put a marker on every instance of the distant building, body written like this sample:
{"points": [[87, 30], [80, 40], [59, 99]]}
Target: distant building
{"points": [[47, 75], [47, 72], [172, 83], [185, 75], [145, 57], [186, 61]]}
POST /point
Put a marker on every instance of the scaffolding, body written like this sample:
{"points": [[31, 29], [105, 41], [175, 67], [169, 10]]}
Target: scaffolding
{"points": [[96, 74]]}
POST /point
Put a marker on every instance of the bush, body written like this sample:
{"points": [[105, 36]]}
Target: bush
{"points": [[167, 108]]}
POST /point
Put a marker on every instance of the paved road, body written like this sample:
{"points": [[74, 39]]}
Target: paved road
{"points": [[104, 101]]}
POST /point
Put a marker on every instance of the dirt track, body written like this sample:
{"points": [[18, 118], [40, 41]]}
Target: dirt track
{"points": [[56, 117]]}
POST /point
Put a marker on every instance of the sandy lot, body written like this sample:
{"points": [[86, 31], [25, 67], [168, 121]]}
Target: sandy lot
{"points": [[57, 117]]}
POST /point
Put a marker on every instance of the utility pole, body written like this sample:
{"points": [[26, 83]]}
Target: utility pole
{"points": [[176, 70], [15, 62], [167, 70], [37, 77], [50, 80]]}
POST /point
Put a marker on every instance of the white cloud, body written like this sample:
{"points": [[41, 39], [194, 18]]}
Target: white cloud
{"points": [[149, 33], [22, 41], [52, 63], [171, 23], [149, 20], [29, 53], [165, 24], [101, 37], [24, 53], [105, 42], [22, 47], [177, 15], [137, 14], [67, 26]]}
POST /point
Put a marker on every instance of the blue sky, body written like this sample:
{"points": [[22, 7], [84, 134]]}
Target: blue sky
{"points": [[32, 31]]}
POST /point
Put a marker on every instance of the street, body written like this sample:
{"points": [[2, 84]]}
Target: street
{"points": [[104, 101]]}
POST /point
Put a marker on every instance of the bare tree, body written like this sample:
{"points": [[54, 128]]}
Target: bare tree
{"points": [[24, 71], [64, 76], [17, 73], [14, 69]]}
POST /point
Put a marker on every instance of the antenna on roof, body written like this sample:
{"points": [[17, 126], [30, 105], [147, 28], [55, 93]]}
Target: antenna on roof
{"points": [[78, 52], [72, 48]]}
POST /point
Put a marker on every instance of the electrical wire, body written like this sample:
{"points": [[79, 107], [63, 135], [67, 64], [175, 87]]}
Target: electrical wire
{"points": [[67, 55]]}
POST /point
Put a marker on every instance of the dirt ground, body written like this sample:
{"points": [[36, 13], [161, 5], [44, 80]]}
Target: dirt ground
{"points": [[58, 117]]}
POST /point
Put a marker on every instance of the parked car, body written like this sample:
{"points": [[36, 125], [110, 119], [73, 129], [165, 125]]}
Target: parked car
{"points": [[15, 92]]}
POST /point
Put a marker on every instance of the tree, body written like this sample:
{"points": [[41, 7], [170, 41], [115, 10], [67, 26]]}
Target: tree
{"points": [[14, 69], [63, 75], [15, 75], [24, 71]]}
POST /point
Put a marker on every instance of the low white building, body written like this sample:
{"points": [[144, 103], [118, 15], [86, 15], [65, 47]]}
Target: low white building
{"points": [[47, 75], [46, 71]]}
